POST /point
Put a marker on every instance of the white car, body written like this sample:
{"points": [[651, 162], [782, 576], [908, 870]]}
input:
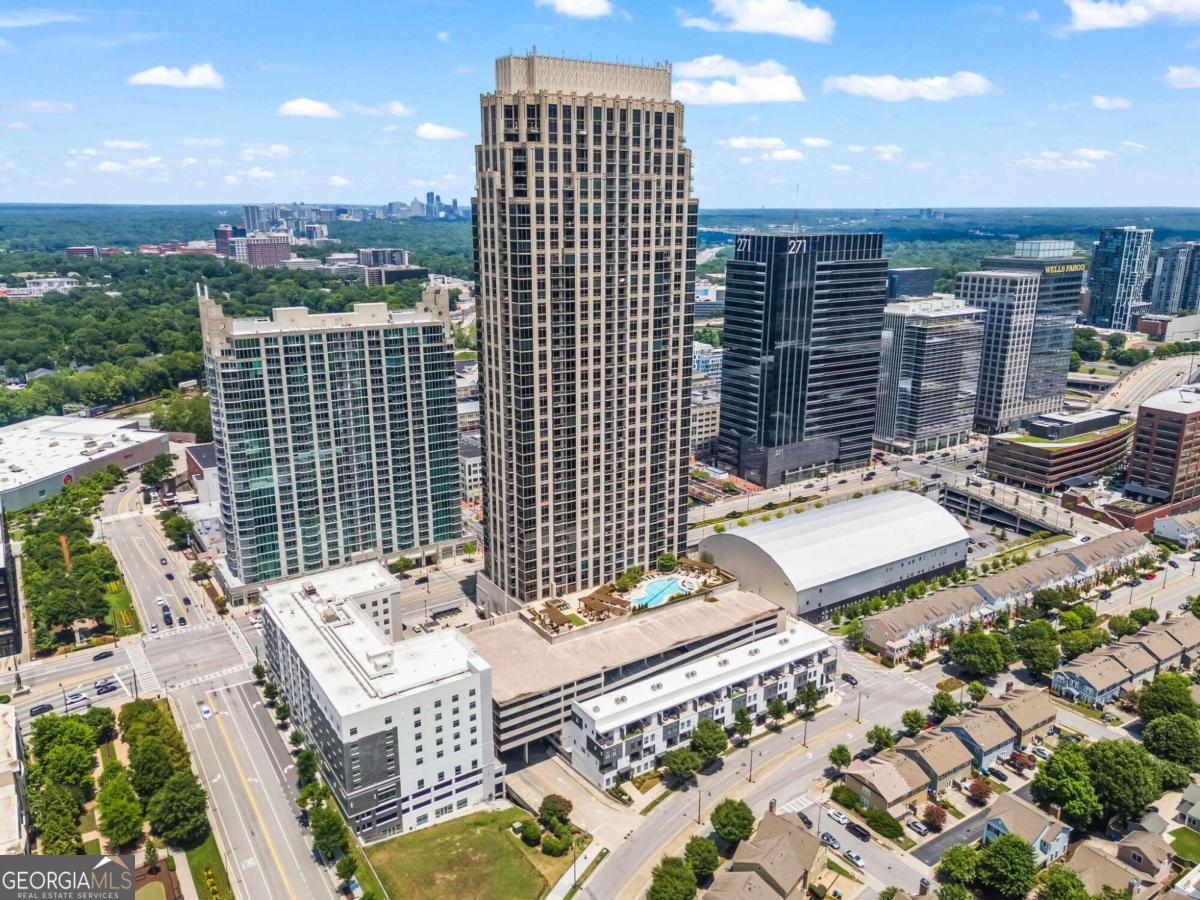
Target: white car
{"points": [[854, 858], [73, 699], [838, 816], [205, 711], [1042, 753]]}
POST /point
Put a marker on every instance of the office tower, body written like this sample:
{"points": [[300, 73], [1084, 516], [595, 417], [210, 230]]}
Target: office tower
{"points": [[800, 374], [334, 434], [1120, 266], [1009, 300], [1060, 282], [221, 236], [267, 251], [916, 281], [1177, 279], [584, 229], [402, 730], [252, 218], [929, 374], [430, 205], [1164, 465], [383, 256]]}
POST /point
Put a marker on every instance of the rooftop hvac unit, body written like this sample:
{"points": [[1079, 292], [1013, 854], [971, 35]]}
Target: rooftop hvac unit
{"points": [[753, 651]]}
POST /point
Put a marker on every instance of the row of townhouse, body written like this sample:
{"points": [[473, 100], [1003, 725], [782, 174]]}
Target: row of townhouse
{"points": [[932, 761], [942, 614], [1101, 676]]}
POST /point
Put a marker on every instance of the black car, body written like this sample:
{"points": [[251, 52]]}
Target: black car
{"points": [[1104, 595], [106, 688], [944, 659], [805, 819], [41, 709], [841, 481], [998, 774], [170, 576], [849, 679], [1172, 564], [936, 475], [187, 601], [858, 831], [103, 654], [163, 561]]}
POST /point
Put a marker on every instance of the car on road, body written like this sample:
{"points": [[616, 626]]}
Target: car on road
{"points": [[1042, 753], [154, 628], [838, 816], [808, 486], [849, 679], [76, 699], [182, 621], [1195, 557], [187, 601], [805, 819], [830, 841], [205, 711], [936, 475], [105, 688], [1150, 576], [919, 827], [1172, 564], [974, 465], [100, 682], [841, 481], [1104, 595], [944, 659], [170, 576], [123, 489], [40, 709], [855, 858], [858, 831], [895, 468], [163, 561], [103, 654]]}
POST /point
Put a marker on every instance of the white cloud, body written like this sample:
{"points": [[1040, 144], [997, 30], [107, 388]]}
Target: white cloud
{"points": [[1134, 145], [259, 173], [578, 9], [1183, 77], [109, 165], [753, 143], [126, 145], [189, 161], [887, 152], [232, 179], [787, 18], [816, 142], [203, 142], [390, 129], [431, 132], [841, 167], [919, 166], [86, 151], [718, 80], [338, 181], [786, 154], [305, 107], [252, 152], [1102, 102], [146, 162], [1032, 16], [47, 106], [444, 37], [1089, 153], [856, 148], [893, 89], [745, 159], [1094, 15], [15, 126], [27, 18], [202, 75], [393, 108], [1051, 161]]}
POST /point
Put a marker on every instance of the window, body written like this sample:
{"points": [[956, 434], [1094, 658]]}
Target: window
{"points": [[423, 819], [420, 783], [444, 810], [353, 732], [387, 720]]}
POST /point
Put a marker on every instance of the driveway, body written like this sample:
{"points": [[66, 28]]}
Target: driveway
{"points": [[966, 831]]}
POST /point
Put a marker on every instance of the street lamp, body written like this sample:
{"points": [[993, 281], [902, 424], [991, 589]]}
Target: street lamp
{"points": [[700, 792], [858, 715]]}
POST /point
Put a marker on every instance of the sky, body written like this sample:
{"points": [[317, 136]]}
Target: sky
{"points": [[789, 103]]}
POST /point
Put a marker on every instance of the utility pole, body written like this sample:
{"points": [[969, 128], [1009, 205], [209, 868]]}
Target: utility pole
{"points": [[858, 715], [751, 776]]}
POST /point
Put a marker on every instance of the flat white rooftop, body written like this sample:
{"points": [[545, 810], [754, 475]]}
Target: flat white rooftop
{"points": [[1184, 400], [299, 318], [936, 307], [354, 662], [45, 446], [683, 683]]}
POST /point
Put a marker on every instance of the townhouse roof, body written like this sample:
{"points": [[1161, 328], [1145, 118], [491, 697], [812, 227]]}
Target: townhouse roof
{"points": [[984, 727], [1026, 708], [1097, 870], [941, 751], [782, 848], [1152, 846], [893, 776], [1025, 820], [1101, 671]]}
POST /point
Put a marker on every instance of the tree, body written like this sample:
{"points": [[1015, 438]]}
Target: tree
{"points": [[1174, 737], [271, 692], [178, 530], [71, 766], [151, 850], [1081, 641], [403, 564], [296, 739], [103, 723], [709, 740], [980, 791], [1125, 777], [283, 712], [880, 737], [120, 812], [682, 763], [1065, 780], [958, 864], [854, 635], [201, 568], [934, 816], [742, 724], [839, 757], [1120, 626], [954, 892], [346, 867], [1115, 341], [150, 766], [777, 709], [531, 834], [178, 812], [809, 696], [259, 673], [701, 855], [470, 548], [51, 731], [555, 807], [1061, 883], [155, 471], [913, 720], [733, 821], [667, 562], [889, 892], [673, 879], [1167, 694], [1172, 775], [315, 793], [1036, 645], [329, 832], [943, 705], [1144, 615], [306, 766], [976, 691], [1007, 866]]}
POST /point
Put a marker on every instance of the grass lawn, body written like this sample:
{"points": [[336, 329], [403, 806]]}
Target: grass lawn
{"points": [[599, 858], [645, 785], [951, 808], [646, 810], [475, 857], [949, 684], [206, 856], [1186, 843], [834, 866], [121, 614], [108, 754], [87, 822], [92, 847], [153, 891], [1081, 708], [576, 620]]}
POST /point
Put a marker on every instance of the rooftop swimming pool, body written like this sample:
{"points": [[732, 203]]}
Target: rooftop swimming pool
{"points": [[659, 590]]}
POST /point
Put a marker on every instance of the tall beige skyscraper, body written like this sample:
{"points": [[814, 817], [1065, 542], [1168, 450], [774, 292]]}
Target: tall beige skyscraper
{"points": [[585, 252]]}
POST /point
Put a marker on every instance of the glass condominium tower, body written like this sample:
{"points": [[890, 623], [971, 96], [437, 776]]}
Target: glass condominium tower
{"points": [[1120, 269], [585, 248], [335, 433]]}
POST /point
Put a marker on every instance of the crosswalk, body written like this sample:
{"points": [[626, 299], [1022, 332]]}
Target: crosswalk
{"points": [[243, 646], [210, 676], [796, 804], [147, 681]]}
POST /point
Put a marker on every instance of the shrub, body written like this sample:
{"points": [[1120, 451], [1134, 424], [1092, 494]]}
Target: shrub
{"points": [[884, 824], [844, 796], [531, 834], [934, 817]]}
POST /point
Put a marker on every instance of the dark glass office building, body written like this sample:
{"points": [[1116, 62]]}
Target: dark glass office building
{"points": [[914, 281], [803, 323], [1120, 267]]}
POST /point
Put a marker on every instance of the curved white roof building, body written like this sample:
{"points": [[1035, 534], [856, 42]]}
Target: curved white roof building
{"points": [[810, 562]]}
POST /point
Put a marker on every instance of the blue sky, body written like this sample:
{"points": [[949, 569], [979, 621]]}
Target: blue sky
{"points": [[814, 104]]}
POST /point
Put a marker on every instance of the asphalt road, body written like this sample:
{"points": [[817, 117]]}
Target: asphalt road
{"points": [[1147, 380]]}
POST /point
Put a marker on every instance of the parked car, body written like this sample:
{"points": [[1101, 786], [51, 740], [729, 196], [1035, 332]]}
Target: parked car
{"points": [[205, 711], [1172, 564], [1042, 753], [1150, 576], [838, 816], [805, 819], [1104, 595], [849, 679], [998, 774], [858, 831], [1085, 539], [154, 628], [1195, 557], [854, 858], [40, 710], [103, 654], [182, 621], [830, 841], [841, 481], [918, 827], [170, 576], [936, 475]]}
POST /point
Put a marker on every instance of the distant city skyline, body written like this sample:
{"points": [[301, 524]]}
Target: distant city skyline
{"points": [[790, 104]]}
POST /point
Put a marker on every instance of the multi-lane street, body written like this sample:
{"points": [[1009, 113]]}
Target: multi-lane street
{"points": [[1148, 379]]}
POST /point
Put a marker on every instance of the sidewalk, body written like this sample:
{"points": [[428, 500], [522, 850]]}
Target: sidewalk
{"points": [[564, 884]]}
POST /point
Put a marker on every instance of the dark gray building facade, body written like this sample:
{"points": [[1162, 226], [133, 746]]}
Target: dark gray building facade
{"points": [[915, 281], [10, 616], [803, 319], [1120, 267], [1176, 284]]}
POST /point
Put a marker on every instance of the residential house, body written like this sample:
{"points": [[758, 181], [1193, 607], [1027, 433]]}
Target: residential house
{"points": [[1185, 629], [1166, 651], [1029, 712], [1098, 870], [941, 756], [1182, 529], [984, 733], [1009, 814], [888, 781], [781, 859], [1147, 852], [1188, 810]]}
